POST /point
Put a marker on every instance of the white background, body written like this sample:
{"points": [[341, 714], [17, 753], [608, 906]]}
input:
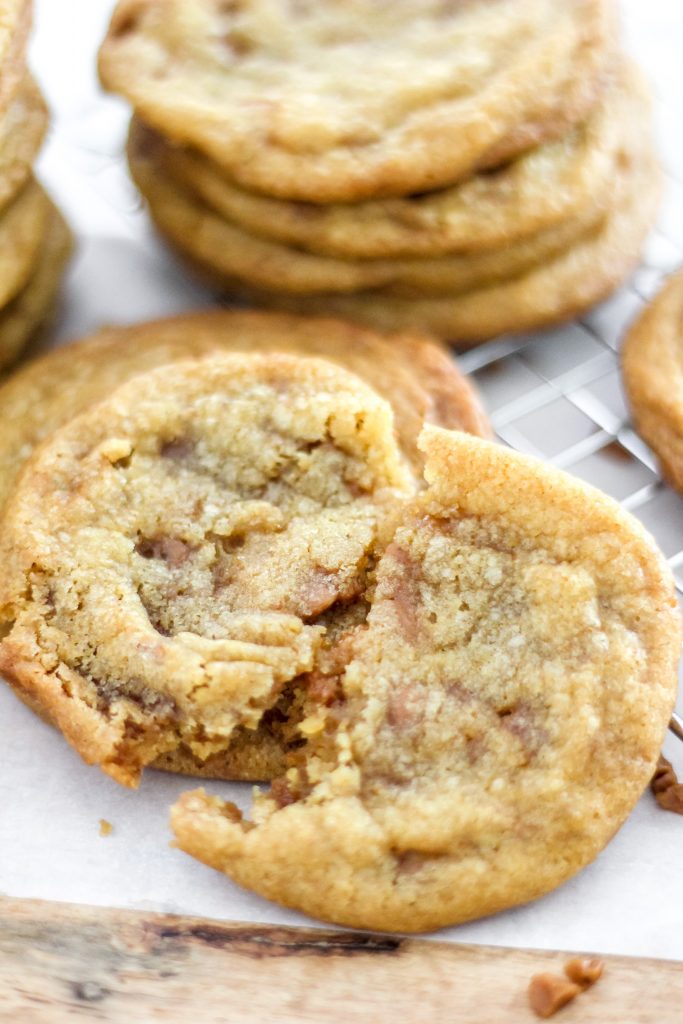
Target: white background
{"points": [[50, 804]]}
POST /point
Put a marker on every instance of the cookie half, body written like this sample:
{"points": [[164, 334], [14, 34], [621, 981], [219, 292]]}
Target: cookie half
{"points": [[172, 556], [496, 720], [332, 102], [652, 365]]}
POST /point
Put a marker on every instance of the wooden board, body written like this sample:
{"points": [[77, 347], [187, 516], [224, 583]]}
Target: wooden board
{"points": [[60, 962]]}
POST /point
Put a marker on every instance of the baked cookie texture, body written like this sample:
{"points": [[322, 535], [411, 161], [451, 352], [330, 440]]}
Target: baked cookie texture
{"points": [[23, 125], [34, 239], [15, 26], [31, 310], [170, 555], [546, 277], [417, 376], [468, 169], [228, 254], [545, 187], [330, 102], [551, 292], [495, 720], [23, 226], [652, 365], [227, 566]]}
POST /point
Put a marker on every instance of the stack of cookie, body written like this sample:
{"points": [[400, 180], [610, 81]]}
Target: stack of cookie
{"points": [[34, 240], [243, 564], [466, 168]]}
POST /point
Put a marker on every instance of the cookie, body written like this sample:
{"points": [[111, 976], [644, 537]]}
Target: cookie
{"points": [[15, 25], [652, 366], [496, 721], [28, 311], [544, 188], [171, 555], [562, 287], [227, 253], [23, 225], [22, 130], [329, 102], [417, 376]]}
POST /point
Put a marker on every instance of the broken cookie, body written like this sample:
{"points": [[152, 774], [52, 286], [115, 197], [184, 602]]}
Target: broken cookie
{"points": [[176, 556], [495, 722]]}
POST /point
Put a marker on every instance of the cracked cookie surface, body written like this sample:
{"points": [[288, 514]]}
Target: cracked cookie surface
{"points": [[417, 376], [329, 101], [497, 718], [170, 552]]}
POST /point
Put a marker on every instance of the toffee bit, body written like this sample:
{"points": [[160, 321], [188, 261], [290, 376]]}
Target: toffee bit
{"points": [[282, 793], [548, 993], [584, 971], [106, 827], [668, 791]]}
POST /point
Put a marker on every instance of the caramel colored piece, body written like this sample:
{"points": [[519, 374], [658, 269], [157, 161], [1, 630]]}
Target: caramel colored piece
{"points": [[548, 993], [584, 971], [667, 789]]}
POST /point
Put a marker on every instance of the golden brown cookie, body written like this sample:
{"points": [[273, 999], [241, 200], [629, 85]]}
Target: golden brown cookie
{"points": [[23, 225], [28, 311], [22, 129], [564, 286], [545, 187], [171, 555], [226, 252], [15, 25], [496, 720], [417, 376], [331, 102], [652, 364]]}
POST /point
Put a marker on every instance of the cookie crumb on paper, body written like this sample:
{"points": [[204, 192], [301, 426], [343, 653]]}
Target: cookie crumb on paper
{"points": [[667, 789]]}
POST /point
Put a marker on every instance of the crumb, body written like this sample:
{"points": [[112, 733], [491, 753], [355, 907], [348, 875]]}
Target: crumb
{"points": [[584, 971], [667, 789], [548, 993], [106, 827]]}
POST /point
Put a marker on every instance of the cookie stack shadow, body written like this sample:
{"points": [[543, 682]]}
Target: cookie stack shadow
{"points": [[470, 170], [35, 241]]}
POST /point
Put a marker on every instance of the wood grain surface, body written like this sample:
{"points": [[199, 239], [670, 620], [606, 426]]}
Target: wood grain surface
{"points": [[60, 962]]}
